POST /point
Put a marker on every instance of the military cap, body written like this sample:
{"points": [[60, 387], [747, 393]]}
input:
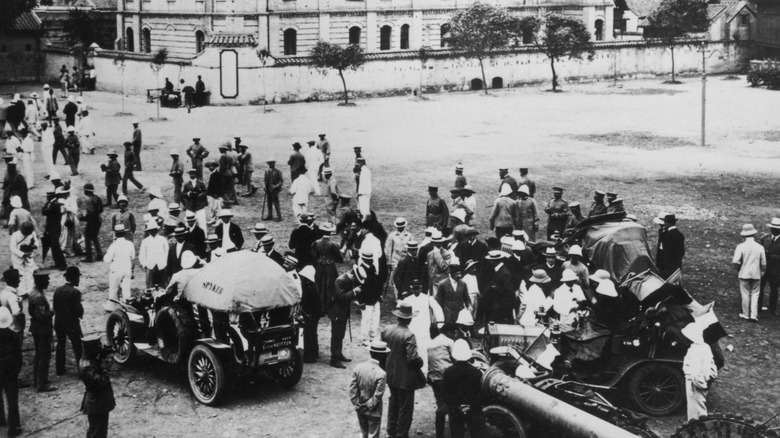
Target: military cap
{"points": [[311, 142], [89, 187], [503, 170], [357, 148], [600, 194], [41, 273], [322, 135], [557, 190]]}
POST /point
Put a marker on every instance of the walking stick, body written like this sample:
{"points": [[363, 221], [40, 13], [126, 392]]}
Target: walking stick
{"points": [[349, 322], [262, 211]]}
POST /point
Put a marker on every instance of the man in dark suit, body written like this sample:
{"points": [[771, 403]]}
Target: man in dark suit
{"points": [[671, 247], [552, 266], [68, 312], [404, 374], [99, 395], [267, 242], [408, 269], [41, 330], [498, 300], [175, 251], [195, 235], [348, 286], [302, 239], [233, 240], [194, 196], [10, 366], [272, 181], [453, 295], [772, 245]]}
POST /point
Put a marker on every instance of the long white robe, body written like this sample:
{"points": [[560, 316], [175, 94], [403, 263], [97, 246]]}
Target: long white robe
{"points": [[422, 306], [314, 159]]}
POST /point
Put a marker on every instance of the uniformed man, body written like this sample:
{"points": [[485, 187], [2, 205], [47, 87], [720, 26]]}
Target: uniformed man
{"points": [[576, 215], [302, 239], [436, 212], [503, 175], [597, 207], [195, 198], [348, 286], [137, 144], [68, 312], [98, 398], [525, 180], [92, 219], [197, 153], [177, 175], [331, 194], [558, 211], [297, 162], [324, 146], [131, 164], [460, 180], [611, 196], [273, 180], [616, 206], [41, 329], [364, 187], [113, 177], [528, 213]]}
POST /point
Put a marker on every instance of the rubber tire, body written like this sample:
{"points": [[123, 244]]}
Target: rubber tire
{"points": [[203, 359], [176, 333], [639, 375], [733, 426], [508, 416], [290, 374], [119, 320]]}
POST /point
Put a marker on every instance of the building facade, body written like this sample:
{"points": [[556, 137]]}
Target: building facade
{"points": [[292, 27]]}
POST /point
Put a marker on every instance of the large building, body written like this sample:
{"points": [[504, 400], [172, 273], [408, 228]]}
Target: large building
{"points": [[292, 27]]}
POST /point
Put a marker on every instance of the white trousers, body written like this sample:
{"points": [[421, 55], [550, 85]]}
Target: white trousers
{"points": [[215, 204], [298, 209], [364, 205], [86, 144], [369, 323], [312, 174], [117, 280], [29, 175], [200, 217], [697, 400], [750, 289]]}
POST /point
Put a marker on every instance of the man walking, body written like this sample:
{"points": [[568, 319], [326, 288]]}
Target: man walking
{"points": [[297, 162], [403, 372], [41, 330], [436, 212], [348, 285], [197, 153], [525, 180], [272, 181], [368, 388], [130, 167], [300, 189], [137, 144], [671, 247], [92, 220], [53, 230], [749, 259], [505, 214], [68, 312], [113, 177], [324, 146], [73, 146]]}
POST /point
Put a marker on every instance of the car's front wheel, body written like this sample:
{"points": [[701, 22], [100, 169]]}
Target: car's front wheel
{"points": [[206, 375], [120, 337]]}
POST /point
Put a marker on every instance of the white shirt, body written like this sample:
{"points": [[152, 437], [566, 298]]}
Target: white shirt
{"points": [[120, 255], [18, 239], [28, 145], [47, 139], [395, 247], [365, 181], [533, 299], [472, 286], [31, 114], [226, 242], [10, 147], [301, 188], [751, 257], [471, 203], [154, 252], [422, 306], [86, 127], [10, 300], [313, 159], [699, 365], [374, 246]]}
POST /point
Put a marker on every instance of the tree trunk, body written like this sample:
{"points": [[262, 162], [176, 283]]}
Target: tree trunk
{"points": [[555, 75], [484, 81], [122, 79], [672, 48], [422, 68], [344, 83], [157, 74]]}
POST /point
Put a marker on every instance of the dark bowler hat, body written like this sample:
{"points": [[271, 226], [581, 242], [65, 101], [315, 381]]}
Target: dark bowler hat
{"points": [[357, 148], [311, 142], [296, 145], [322, 135], [128, 144], [10, 273], [404, 311]]}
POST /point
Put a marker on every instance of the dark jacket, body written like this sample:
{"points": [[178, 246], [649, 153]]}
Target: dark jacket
{"points": [[452, 301], [194, 195], [301, 241], [772, 257], [372, 287], [671, 250], [554, 272], [462, 386], [276, 256], [347, 287], [310, 299], [174, 260], [10, 354], [408, 269], [40, 313], [297, 163], [511, 181], [197, 238], [99, 395], [113, 175], [403, 363], [499, 300], [129, 160], [234, 234], [67, 307], [273, 180]]}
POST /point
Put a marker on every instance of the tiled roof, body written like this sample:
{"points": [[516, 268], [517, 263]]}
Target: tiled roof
{"points": [[728, 9], [232, 40], [27, 21], [713, 10], [109, 5], [643, 8]]}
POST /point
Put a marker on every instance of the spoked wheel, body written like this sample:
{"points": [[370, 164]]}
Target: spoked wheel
{"points": [[715, 425], [501, 422], [657, 389], [206, 375], [120, 337], [290, 373]]}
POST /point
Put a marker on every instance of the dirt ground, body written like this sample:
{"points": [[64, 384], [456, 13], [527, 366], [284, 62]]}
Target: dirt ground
{"points": [[640, 139]]}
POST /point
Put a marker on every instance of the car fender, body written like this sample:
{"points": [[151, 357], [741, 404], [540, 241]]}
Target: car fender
{"points": [[222, 350], [633, 365]]}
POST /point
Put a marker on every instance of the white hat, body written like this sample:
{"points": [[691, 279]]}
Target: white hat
{"points": [[460, 214], [174, 152], [607, 288], [436, 235], [461, 351], [575, 250], [121, 198], [505, 190], [524, 189], [400, 222], [360, 273], [568, 275], [659, 220], [518, 245], [693, 332], [189, 215], [46, 86], [152, 225], [748, 230], [70, 98], [225, 213], [119, 228], [600, 275], [16, 201], [307, 272], [155, 191], [5, 318], [70, 129], [136, 121], [464, 317], [188, 260], [775, 223]]}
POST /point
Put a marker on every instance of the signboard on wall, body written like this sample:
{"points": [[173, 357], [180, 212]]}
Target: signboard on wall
{"points": [[228, 74]]}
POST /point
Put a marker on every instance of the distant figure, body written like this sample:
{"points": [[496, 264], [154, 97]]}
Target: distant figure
{"points": [[137, 144], [200, 92], [68, 312], [671, 247], [272, 182], [750, 260]]}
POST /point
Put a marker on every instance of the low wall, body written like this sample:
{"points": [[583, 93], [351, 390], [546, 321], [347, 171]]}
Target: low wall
{"points": [[400, 72]]}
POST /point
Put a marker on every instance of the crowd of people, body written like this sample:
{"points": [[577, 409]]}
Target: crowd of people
{"points": [[441, 285]]}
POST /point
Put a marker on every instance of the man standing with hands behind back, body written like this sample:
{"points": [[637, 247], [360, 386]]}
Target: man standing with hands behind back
{"points": [[68, 311]]}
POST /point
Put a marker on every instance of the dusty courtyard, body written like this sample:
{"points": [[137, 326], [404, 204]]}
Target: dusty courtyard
{"points": [[640, 139]]}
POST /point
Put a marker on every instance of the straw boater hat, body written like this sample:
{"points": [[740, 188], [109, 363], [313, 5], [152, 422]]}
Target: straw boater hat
{"points": [[550, 252], [119, 229], [121, 198], [225, 213], [378, 346], [190, 216], [259, 228], [495, 255], [540, 276], [748, 230], [212, 238], [360, 273], [775, 223], [400, 222], [328, 228], [267, 240], [174, 206]]}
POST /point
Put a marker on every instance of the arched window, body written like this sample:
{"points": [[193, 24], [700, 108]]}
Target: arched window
{"points": [[405, 36], [290, 42], [385, 34], [444, 32], [528, 36], [354, 35], [146, 40], [599, 30], [129, 40], [200, 39]]}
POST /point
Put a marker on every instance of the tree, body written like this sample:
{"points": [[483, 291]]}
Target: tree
{"points": [[675, 19], [12, 9], [80, 27], [423, 55], [558, 37], [480, 31], [158, 62], [264, 55], [325, 56]]}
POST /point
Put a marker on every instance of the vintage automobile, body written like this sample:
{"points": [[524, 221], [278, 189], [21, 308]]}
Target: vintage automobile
{"points": [[252, 305]]}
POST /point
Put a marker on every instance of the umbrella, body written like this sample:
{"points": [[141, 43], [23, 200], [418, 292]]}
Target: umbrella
{"points": [[242, 281]]}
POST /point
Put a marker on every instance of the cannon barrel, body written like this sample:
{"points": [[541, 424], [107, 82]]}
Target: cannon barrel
{"points": [[546, 409]]}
